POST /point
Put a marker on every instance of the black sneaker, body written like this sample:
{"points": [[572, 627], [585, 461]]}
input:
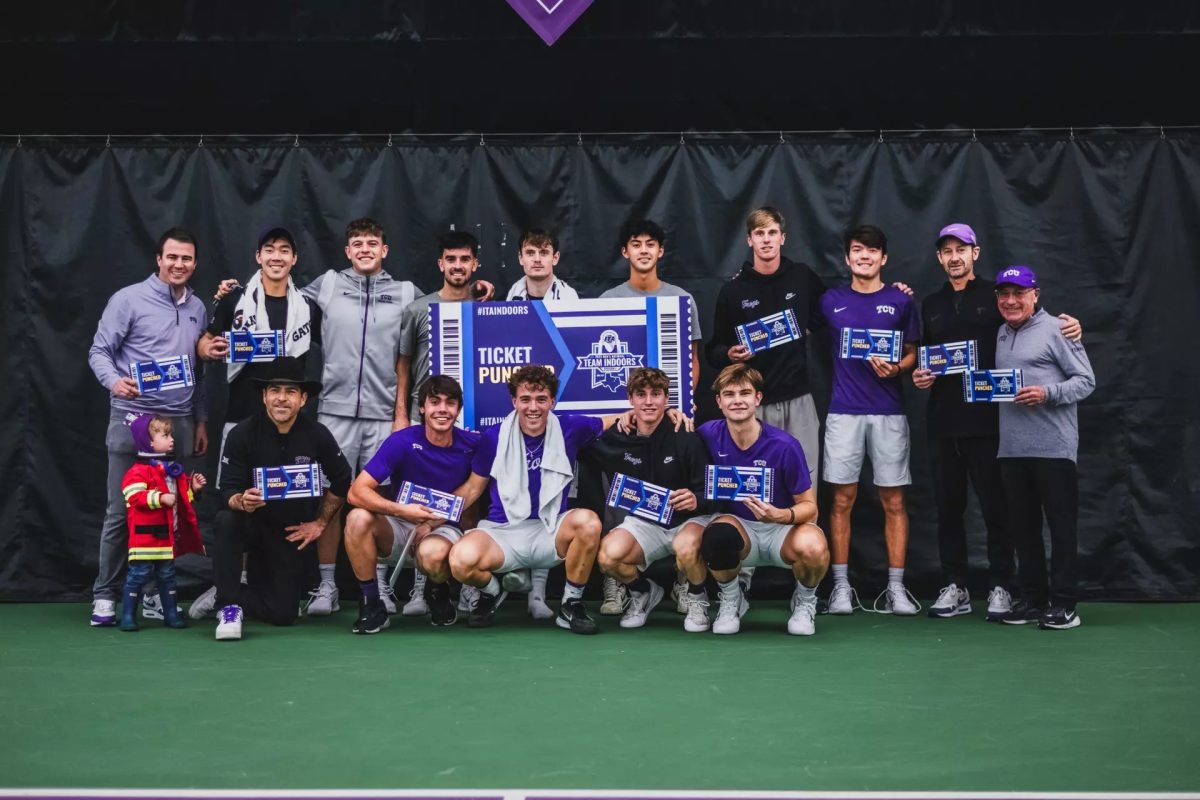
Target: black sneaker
{"points": [[573, 616], [441, 607], [1059, 618], [484, 613], [1022, 613], [372, 618]]}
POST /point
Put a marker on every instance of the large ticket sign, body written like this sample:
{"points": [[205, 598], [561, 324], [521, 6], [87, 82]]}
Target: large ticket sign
{"points": [[591, 344]]}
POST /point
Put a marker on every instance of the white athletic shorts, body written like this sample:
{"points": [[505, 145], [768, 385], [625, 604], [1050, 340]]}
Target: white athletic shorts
{"points": [[402, 531], [766, 541], [798, 417], [654, 540], [358, 438], [526, 544], [882, 437]]}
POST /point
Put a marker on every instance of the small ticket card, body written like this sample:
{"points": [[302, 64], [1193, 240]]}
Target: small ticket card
{"points": [[991, 385], [251, 347], [949, 358], [770, 331], [163, 375], [737, 483], [640, 498], [864, 343], [289, 482], [448, 505]]}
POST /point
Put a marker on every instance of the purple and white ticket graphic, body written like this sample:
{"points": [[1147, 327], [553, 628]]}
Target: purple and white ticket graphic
{"points": [[640, 498], [447, 505], [163, 375], [289, 481]]}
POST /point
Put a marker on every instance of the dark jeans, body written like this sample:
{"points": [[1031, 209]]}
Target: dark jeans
{"points": [[139, 573], [953, 460], [1035, 486], [277, 574]]}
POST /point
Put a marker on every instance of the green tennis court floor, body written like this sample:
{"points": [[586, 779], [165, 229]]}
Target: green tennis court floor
{"points": [[870, 703]]}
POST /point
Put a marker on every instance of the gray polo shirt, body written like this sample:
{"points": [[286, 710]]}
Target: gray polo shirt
{"points": [[664, 290]]}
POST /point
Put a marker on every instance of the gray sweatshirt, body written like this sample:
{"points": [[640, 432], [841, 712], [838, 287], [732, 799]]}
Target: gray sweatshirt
{"points": [[360, 341], [1046, 358], [144, 322]]}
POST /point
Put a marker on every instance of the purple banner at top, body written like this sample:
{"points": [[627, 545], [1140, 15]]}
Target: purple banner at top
{"points": [[550, 18]]}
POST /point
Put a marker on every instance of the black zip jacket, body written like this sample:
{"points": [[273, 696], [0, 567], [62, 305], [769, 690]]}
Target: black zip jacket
{"points": [[950, 316], [751, 295], [672, 459]]}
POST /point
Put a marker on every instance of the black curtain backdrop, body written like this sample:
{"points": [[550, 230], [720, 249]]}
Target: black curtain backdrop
{"points": [[1108, 221]]}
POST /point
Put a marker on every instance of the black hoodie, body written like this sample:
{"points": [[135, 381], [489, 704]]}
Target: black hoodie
{"points": [[751, 295], [672, 459]]}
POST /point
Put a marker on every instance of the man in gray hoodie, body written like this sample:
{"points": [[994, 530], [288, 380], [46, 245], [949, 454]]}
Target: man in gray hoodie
{"points": [[1039, 444], [156, 319]]}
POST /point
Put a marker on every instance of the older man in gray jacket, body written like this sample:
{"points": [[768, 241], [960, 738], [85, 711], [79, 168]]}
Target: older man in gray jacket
{"points": [[1039, 443]]}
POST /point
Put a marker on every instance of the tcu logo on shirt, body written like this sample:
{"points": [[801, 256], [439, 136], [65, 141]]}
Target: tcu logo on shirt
{"points": [[885, 310], [758, 462], [416, 446]]}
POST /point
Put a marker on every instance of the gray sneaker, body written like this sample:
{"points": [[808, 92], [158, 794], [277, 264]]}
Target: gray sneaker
{"points": [[640, 606], [416, 605], [204, 605], [615, 597], [842, 599], [952, 601], [1000, 603]]}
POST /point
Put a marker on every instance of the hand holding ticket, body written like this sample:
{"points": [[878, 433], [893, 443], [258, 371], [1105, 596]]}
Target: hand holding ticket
{"points": [[722, 482], [444, 504]]}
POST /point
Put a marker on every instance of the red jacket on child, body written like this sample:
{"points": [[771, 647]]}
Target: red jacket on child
{"points": [[153, 535]]}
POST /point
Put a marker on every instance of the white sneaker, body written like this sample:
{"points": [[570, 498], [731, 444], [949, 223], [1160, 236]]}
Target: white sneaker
{"points": [[640, 606], [803, 621], [323, 600], [899, 601], [999, 604], [468, 596], [517, 581], [229, 624], [951, 602], [536, 605], [679, 593], [104, 613], [152, 607], [204, 605], [696, 620], [732, 607], [615, 597], [842, 599], [796, 597], [416, 605]]}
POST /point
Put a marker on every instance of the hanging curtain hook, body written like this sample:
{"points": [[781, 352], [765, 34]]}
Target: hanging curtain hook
{"points": [[1071, 130], [19, 140], [107, 140], [1161, 134], [296, 141], [881, 137], [681, 138], [781, 141], [973, 139], [481, 142], [201, 142], [389, 144], [579, 139]]}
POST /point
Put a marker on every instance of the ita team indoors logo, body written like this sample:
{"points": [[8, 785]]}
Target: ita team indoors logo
{"points": [[609, 362]]}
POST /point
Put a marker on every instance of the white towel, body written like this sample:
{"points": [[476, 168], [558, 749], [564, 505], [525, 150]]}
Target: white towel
{"points": [[251, 313], [512, 479]]}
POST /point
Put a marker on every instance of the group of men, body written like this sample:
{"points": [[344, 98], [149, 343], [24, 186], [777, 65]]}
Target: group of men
{"points": [[383, 419]]}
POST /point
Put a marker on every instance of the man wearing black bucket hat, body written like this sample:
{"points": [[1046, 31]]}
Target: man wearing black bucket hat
{"points": [[275, 534]]}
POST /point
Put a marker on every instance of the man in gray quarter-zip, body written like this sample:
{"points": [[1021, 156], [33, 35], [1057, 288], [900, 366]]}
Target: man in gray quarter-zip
{"points": [[157, 319], [1039, 443]]}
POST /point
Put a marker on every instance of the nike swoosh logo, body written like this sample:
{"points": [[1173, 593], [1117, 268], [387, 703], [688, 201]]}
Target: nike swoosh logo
{"points": [[789, 295], [722, 455], [836, 310], [935, 317]]}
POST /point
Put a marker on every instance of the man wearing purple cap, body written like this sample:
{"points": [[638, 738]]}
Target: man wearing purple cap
{"points": [[1039, 443], [963, 437]]}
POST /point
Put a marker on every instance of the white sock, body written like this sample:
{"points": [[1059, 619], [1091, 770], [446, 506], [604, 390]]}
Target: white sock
{"points": [[896, 576], [806, 592], [731, 584], [493, 587], [571, 591], [244, 578], [839, 573], [327, 572], [381, 571], [539, 577]]}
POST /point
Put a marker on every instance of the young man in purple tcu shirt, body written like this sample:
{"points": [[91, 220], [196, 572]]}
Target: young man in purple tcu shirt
{"points": [[529, 460], [779, 532], [866, 414], [435, 455]]}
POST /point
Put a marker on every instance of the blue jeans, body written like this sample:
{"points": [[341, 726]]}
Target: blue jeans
{"points": [[139, 574]]}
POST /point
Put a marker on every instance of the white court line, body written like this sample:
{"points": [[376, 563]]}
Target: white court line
{"points": [[622, 794]]}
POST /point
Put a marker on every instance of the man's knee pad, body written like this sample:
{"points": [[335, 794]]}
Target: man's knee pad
{"points": [[720, 546]]}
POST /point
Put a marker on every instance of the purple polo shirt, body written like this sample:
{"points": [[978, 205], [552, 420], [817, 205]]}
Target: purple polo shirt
{"points": [[856, 387], [578, 432], [774, 448], [407, 455]]}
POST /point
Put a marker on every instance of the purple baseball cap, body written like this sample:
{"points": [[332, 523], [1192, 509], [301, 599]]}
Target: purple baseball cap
{"points": [[960, 231], [1017, 275]]}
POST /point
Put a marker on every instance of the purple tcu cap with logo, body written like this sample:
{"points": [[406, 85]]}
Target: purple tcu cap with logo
{"points": [[1017, 276], [959, 231]]}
